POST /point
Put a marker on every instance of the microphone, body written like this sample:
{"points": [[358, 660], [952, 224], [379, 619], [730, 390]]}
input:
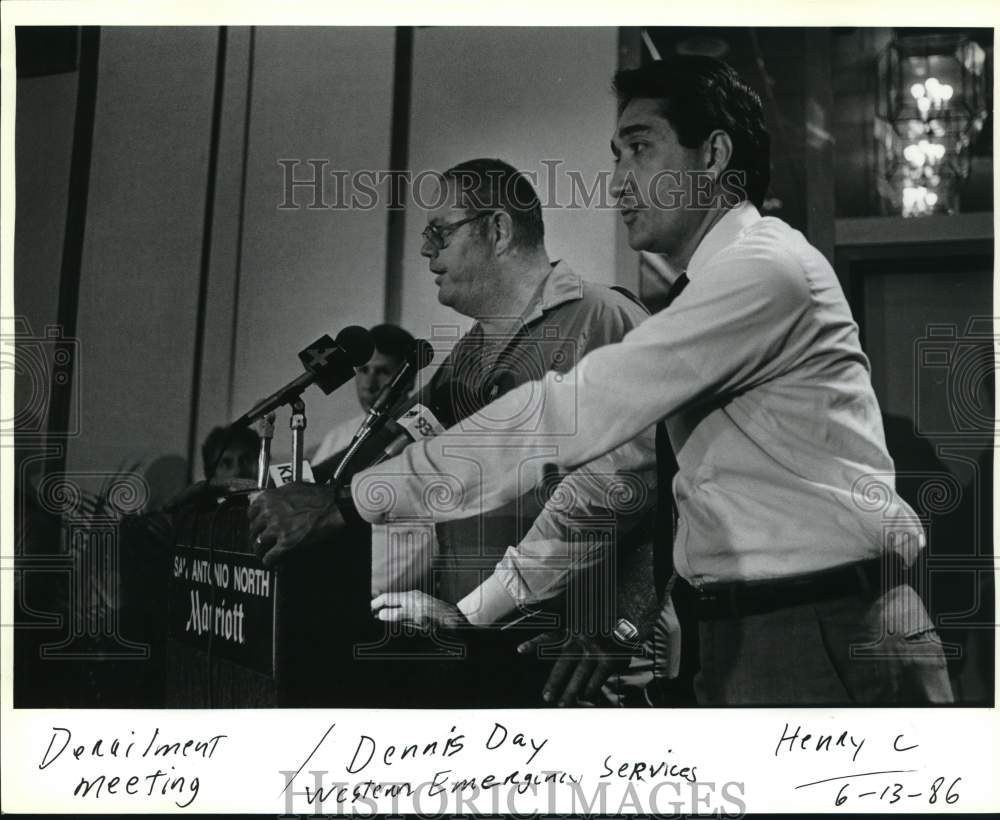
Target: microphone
{"points": [[388, 440], [419, 422], [422, 421], [427, 414], [329, 363], [420, 355]]}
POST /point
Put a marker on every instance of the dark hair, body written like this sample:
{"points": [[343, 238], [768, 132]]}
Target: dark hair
{"points": [[492, 184], [392, 340], [240, 438], [698, 95]]}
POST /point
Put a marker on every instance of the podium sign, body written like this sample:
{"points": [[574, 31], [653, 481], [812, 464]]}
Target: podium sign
{"points": [[223, 603], [239, 635]]}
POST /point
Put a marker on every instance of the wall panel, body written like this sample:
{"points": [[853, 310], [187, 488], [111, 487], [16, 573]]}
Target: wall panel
{"points": [[139, 277], [324, 94]]}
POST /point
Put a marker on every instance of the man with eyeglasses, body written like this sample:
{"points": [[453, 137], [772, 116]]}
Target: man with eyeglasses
{"points": [[485, 247], [484, 243]]}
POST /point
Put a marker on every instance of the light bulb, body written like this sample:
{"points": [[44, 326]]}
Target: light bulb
{"points": [[917, 90]]}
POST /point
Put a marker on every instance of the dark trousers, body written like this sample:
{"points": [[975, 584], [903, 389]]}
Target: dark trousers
{"points": [[849, 650]]}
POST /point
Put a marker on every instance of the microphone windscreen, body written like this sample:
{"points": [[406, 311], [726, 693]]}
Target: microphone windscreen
{"points": [[423, 353], [357, 343]]}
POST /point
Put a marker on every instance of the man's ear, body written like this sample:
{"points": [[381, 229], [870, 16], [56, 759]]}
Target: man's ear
{"points": [[502, 231], [718, 151]]}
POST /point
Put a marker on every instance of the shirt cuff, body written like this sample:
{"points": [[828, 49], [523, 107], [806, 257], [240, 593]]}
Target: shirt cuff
{"points": [[487, 604]]}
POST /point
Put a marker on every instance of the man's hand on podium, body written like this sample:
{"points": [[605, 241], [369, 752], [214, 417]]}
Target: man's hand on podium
{"points": [[418, 609], [291, 516]]}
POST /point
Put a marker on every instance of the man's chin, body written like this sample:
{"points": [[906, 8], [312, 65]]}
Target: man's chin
{"points": [[638, 241], [641, 240]]}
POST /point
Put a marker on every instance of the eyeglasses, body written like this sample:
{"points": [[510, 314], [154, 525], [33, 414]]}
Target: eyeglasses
{"points": [[437, 235]]}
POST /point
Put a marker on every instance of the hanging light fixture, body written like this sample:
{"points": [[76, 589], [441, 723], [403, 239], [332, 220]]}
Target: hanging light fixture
{"points": [[932, 103]]}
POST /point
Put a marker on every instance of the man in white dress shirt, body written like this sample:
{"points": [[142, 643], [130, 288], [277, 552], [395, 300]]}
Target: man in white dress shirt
{"points": [[789, 529]]}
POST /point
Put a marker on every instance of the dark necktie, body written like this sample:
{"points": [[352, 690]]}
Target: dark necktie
{"points": [[666, 469], [679, 691]]}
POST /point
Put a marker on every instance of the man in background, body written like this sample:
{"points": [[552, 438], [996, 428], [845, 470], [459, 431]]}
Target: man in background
{"points": [[239, 460], [392, 346]]}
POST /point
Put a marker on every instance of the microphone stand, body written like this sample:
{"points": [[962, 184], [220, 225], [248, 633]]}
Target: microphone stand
{"points": [[297, 423], [265, 428]]}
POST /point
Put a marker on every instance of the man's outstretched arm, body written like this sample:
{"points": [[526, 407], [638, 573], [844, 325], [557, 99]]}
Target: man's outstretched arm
{"points": [[668, 363]]}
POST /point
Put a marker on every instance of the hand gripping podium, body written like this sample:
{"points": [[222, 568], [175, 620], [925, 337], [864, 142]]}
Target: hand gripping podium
{"points": [[240, 635]]}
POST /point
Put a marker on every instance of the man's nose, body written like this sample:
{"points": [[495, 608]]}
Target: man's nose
{"points": [[428, 250], [617, 182]]}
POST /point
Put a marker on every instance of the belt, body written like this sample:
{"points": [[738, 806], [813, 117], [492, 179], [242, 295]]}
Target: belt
{"points": [[867, 579]]}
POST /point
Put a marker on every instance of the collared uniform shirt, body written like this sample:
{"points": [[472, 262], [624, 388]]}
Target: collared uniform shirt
{"points": [[758, 370]]}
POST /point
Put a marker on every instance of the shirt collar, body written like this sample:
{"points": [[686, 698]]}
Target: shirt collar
{"points": [[559, 287], [722, 234]]}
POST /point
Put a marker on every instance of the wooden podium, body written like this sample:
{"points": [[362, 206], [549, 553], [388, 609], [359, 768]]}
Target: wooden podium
{"points": [[241, 636]]}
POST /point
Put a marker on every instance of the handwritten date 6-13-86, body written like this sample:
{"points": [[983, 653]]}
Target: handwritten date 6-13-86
{"points": [[939, 791]]}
